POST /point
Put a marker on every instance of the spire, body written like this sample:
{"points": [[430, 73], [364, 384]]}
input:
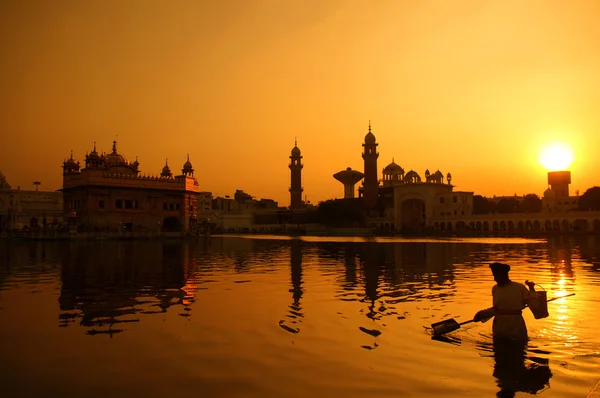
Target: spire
{"points": [[369, 126], [71, 154], [295, 141], [94, 146], [115, 146], [188, 157], [166, 161], [392, 159]]}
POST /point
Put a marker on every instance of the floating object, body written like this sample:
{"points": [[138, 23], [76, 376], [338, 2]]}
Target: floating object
{"points": [[450, 325]]}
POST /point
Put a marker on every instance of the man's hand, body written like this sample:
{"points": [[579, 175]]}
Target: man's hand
{"points": [[531, 285]]}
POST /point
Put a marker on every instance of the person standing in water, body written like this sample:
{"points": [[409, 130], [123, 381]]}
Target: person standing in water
{"points": [[509, 299]]}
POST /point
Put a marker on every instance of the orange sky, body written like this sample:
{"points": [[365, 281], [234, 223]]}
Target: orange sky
{"points": [[469, 87]]}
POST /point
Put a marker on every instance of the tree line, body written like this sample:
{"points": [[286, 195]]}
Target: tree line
{"points": [[531, 203]]}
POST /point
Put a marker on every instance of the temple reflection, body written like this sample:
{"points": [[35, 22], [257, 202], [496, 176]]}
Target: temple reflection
{"points": [[399, 272], [589, 249], [295, 313], [105, 287]]}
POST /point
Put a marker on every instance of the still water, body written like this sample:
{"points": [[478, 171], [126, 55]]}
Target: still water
{"points": [[282, 317]]}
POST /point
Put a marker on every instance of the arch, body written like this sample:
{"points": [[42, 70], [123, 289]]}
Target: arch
{"points": [[502, 225], [171, 224], [537, 225], [580, 225], [511, 226], [461, 226], [436, 226], [520, 225], [548, 225], [565, 227], [478, 226], [528, 225], [596, 225], [449, 226], [412, 213], [556, 225], [495, 226], [486, 226], [443, 226], [471, 225]]}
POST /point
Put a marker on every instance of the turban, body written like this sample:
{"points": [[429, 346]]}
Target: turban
{"points": [[499, 268]]}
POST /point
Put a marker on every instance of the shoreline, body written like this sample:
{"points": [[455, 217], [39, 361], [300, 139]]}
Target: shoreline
{"points": [[345, 233]]}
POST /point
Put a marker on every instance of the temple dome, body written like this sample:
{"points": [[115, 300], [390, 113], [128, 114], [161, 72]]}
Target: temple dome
{"points": [[393, 167], [549, 194], [412, 177], [114, 158], [370, 138], [296, 151]]}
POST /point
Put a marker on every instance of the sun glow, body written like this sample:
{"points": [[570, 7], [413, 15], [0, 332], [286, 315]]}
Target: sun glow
{"points": [[557, 156]]}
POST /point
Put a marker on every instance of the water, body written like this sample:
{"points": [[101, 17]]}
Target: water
{"points": [[268, 316]]}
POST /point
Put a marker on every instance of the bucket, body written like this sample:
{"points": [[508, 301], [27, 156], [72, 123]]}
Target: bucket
{"points": [[539, 306]]}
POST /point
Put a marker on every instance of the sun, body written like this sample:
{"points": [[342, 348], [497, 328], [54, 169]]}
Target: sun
{"points": [[557, 156]]}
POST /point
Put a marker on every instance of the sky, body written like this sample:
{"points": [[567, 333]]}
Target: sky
{"points": [[474, 88]]}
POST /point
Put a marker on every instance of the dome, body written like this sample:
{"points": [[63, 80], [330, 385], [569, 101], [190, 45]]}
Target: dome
{"points": [[295, 149], [166, 171], [188, 169], [187, 165], [369, 138], [70, 164], [438, 174], [549, 194], [392, 167], [412, 177], [114, 158]]}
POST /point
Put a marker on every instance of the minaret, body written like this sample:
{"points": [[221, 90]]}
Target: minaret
{"points": [[370, 182], [296, 178]]}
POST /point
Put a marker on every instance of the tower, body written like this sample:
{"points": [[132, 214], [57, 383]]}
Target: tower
{"points": [[296, 178], [559, 183], [370, 182], [349, 178]]}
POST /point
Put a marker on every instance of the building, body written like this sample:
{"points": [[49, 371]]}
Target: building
{"points": [[370, 182], [403, 200], [296, 178], [29, 209], [111, 194]]}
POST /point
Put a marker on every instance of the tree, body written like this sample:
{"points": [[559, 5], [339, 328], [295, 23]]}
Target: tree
{"points": [[531, 204], [507, 206], [590, 200], [342, 212], [480, 205]]}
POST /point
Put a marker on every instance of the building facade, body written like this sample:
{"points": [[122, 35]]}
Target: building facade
{"points": [[110, 194], [28, 209]]}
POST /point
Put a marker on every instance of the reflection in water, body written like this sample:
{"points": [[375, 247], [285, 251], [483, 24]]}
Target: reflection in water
{"points": [[295, 313], [386, 290], [105, 288], [513, 375]]}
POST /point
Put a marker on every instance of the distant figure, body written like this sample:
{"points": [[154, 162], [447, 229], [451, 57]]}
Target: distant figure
{"points": [[509, 299]]}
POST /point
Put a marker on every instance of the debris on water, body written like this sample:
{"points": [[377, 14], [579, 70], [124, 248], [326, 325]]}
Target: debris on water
{"points": [[372, 332]]}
